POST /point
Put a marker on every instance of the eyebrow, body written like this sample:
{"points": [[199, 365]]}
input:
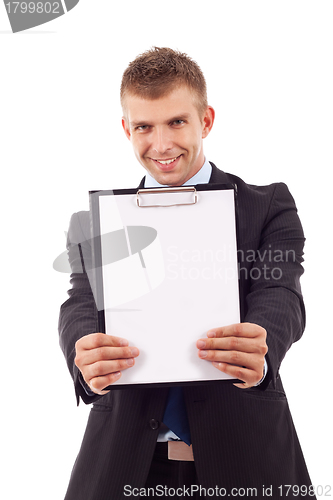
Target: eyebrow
{"points": [[183, 116]]}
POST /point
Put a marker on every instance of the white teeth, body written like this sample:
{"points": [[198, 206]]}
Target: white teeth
{"points": [[167, 162]]}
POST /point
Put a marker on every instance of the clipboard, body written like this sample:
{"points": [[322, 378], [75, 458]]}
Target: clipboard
{"points": [[165, 272]]}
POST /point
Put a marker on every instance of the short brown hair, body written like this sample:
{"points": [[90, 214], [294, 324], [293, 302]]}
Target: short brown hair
{"points": [[160, 70]]}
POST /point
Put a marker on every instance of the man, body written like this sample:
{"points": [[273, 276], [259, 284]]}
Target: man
{"points": [[243, 439]]}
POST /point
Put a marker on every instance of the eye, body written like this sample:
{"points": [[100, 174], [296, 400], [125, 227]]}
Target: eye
{"points": [[142, 128], [178, 122]]}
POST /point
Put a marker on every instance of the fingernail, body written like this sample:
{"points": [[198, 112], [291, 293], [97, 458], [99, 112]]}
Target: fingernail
{"points": [[130, 361], [202, 354], [201, 344], [134, 351], [123, 342], [211, 334]]}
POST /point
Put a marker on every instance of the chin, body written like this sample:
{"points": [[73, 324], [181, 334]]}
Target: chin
{"points": [[168, 179]]}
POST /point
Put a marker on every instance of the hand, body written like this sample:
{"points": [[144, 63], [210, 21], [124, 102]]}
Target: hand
{"points": [[238, 350], [101, 357]]}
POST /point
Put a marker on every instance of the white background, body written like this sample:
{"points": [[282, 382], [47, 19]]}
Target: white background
{"points": [[268, 66]]}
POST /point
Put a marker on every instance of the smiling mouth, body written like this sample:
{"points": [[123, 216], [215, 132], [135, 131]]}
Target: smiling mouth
{"points": [[167, 162]]}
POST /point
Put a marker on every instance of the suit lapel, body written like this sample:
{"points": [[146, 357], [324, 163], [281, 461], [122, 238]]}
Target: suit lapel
{"points": [[217, 176]]}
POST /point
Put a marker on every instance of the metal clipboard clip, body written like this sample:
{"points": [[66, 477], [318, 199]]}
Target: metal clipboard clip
{"points": [[184, 195]]}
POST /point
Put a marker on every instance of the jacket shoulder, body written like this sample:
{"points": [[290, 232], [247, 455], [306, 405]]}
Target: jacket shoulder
{"points": [[259, 206], [79, 227], [254, 197]]}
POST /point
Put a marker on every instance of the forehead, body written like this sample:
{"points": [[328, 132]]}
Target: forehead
{"points": [[178, 102]]}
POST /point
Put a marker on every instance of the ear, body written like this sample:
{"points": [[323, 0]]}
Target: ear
{"points": [[126, 128], [208, 121]]}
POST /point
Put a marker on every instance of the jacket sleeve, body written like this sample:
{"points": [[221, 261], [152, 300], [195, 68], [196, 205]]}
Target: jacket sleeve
{"points": [[78, 315], [275, 300]]}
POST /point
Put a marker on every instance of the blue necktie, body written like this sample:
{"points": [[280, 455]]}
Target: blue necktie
{"points": [[175, 415]]}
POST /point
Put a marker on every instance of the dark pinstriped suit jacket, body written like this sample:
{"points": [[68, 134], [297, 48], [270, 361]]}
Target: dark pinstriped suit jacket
{"points": [[241, 438]]}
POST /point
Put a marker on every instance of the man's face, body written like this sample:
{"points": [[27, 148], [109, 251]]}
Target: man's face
{"points": [[167, 134]]}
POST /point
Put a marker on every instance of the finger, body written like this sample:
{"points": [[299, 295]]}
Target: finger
{"points": [[248, 345], [105, 353], [248, 330], [244, 385], [98, 384], [249, 360], [102, 368], [94, 340], [249, 377]]}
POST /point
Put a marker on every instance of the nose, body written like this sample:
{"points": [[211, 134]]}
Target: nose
{"points": [[161, 141]]}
